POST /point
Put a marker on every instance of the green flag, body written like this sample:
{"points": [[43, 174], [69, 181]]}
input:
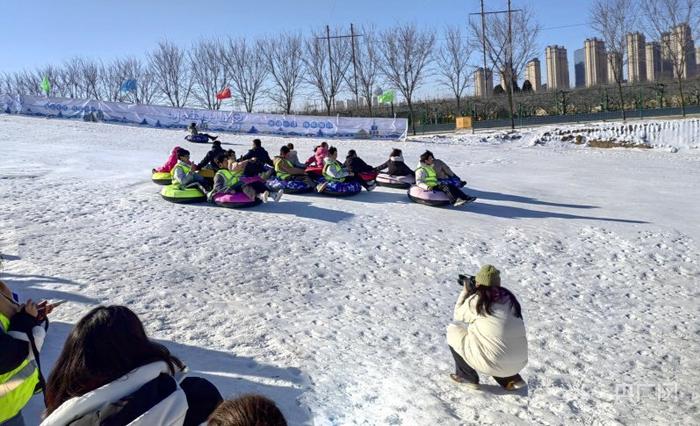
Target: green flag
{"points": [[45, 85], [386, 97]]}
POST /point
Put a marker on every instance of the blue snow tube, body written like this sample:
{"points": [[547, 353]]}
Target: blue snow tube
{"points": [[288, 186], [341, 189], [197, 138]]}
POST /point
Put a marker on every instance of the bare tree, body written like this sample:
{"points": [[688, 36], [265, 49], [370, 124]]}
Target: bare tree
{"points": [[510, 40], [90, 78], [248, 68], [453, 62], [613, 19], [52, 74], [283, 55], [209, 73], [679, 17], [70, 77], [169, 67], [405, 55], [327, 62], [367, 65]]}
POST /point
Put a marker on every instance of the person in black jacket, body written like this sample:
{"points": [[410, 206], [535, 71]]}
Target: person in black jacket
{"points": [[208, 160], [259, 153], [395, 165], [355, 164], [259, 158]]}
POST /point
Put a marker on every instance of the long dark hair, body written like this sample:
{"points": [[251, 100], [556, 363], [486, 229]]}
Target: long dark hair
{"points": [[106, 344], [486, 296]]}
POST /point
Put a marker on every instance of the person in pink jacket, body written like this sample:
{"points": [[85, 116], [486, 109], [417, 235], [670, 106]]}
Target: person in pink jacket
{"points": [[321, 153], [169, 163]]}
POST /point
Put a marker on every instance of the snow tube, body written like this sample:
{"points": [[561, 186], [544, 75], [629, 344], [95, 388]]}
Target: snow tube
{"points": [[162, 178], [235, 201], [288, 186], [342, 189], [174, 194], [401, 182], [197, 138], [429, 198], [454, 181], [315, 172], [368, 176]]}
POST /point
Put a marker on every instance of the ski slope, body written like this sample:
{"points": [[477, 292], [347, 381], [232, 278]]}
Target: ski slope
{"points": [[337, 308]]}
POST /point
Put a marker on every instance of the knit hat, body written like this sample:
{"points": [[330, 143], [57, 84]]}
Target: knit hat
{"points": [[488, 276]]}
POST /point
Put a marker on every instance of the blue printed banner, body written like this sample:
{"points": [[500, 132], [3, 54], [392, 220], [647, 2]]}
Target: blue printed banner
{"points": [[227, 121]]}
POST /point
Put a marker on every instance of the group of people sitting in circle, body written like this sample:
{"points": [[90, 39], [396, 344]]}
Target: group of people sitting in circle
{"points": [[249, 173], [109, 373]]}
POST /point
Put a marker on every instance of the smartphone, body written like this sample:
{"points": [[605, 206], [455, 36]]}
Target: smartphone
{"points": [[42, 309]]}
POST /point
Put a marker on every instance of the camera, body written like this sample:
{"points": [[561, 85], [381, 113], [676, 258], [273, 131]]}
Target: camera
{"points": [[468, 281]]}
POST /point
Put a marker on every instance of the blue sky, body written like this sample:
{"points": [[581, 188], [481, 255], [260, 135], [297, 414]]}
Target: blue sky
{"points": [[39, 32]]}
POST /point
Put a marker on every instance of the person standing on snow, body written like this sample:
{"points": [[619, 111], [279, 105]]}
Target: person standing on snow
{"points": [[494, 341]]}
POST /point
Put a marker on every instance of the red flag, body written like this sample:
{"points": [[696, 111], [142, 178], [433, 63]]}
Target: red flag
{"points": [[226, 93]]}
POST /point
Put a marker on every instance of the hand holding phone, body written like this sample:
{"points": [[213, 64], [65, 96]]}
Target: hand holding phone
{"points": [[45, 308]]}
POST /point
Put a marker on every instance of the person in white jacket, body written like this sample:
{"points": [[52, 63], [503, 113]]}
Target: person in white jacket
{"points": [[110, 372], [489, 336]]}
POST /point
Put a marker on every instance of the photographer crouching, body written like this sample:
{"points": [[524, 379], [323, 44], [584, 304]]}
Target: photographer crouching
{"points": [[489, 336]]}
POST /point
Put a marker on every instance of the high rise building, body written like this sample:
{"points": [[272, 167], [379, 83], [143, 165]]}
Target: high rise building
{"points": [[557, 68], [636, 58], [580, 67], [614, 67], [533, 74], [596, 62], [483, 82], [667, 71], [653, 58], [683, 50]]}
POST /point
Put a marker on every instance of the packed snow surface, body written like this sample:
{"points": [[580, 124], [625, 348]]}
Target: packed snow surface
{"points": [[337, 308]]}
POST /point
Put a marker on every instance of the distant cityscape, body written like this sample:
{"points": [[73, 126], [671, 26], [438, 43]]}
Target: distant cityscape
{"points": [[594, 66]]}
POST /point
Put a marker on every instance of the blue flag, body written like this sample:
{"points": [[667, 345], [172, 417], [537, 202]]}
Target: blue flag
{"points": [[128, 85]]}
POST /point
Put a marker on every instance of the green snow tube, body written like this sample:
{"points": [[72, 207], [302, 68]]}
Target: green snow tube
{"points": [[174, 194], [162, 178]]}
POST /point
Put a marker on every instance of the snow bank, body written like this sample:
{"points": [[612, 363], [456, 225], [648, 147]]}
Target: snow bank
{"points": [[670, 135]]}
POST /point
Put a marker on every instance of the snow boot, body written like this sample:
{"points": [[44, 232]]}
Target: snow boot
{"points": [[467, 384]]}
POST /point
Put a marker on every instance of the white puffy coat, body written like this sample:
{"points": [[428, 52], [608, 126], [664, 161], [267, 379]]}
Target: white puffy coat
{"points": [[495, 345], [170, 411]]}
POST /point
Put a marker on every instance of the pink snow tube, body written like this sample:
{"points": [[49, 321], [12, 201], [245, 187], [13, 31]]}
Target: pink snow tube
{"points": [[402, 182], [236, 200], [367, 176], [169, 163], [429, 198]]}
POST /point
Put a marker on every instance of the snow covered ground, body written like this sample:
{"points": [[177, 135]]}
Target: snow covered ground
{"points": [[337, 308]]}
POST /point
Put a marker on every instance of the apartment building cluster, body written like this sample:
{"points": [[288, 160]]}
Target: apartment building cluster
{"points": [[593, 66]]}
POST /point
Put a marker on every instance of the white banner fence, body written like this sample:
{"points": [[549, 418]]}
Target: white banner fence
{"points": [[225, 121]]}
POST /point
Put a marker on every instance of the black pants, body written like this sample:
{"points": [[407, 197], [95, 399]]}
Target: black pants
{"points": [[466, 372], [258, 186], [452, 192], [207, 135]]}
